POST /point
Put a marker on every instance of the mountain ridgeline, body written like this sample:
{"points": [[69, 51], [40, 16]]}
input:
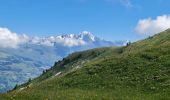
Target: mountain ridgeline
{"points": [[138, 71]]}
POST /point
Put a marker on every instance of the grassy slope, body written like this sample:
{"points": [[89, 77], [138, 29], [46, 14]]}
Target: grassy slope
{"points": [[139, 71]]}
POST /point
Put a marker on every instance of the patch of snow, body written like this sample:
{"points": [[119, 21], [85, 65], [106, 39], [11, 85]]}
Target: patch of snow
{"points": [[22, 88], [58, 74]]}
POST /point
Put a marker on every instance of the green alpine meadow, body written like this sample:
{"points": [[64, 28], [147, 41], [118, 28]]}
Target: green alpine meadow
{"points": [[138, 71]]}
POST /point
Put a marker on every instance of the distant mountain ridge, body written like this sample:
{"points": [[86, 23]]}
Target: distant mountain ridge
{"points": [[84, 38]]}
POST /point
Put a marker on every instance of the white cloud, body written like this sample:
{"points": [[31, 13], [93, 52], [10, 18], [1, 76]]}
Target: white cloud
{"points": [[66, 41], [73, 42], [10, 39], [126, 3], [151, 26]]}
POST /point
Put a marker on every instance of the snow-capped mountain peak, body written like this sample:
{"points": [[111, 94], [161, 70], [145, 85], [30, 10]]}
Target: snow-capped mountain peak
{"points": [[85, 33], [87, 36], [72, 40]]}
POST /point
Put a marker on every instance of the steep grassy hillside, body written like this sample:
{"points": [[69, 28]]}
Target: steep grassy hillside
{"points": [[138, 71]]}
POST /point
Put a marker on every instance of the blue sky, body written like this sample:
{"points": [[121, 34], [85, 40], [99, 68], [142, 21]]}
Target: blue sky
{"points": [[108, 19]]}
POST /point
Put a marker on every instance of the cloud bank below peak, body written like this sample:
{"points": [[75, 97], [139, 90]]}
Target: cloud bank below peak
{"points": [[10, 39], [52, 40], [151, 26], [84, 39]]}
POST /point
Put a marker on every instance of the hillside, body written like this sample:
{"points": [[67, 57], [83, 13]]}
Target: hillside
{"points": [[138, 71]]}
